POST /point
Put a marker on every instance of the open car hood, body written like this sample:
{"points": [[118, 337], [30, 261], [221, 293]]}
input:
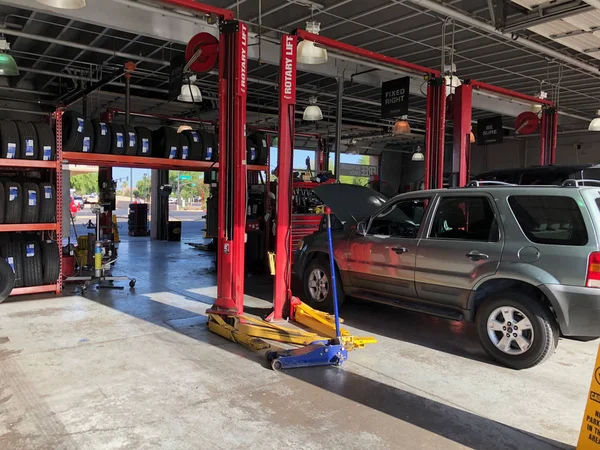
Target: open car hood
{"points": [[350, 202]]}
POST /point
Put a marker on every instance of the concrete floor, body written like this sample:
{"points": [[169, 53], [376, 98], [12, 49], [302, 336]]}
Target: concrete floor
{"points": [[137, 369]]}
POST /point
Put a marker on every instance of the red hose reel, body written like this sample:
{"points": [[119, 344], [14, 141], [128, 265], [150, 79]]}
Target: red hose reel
{"points": [[207, 60]]}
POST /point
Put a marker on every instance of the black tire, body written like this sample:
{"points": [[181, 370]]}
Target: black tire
{"points": [[2, 204], [73, 131], [31, 203], [195, 145], [47, 203], [144, 141], [13, 200], [46, 141], [10, 143], [88, 137], [326, 303], [130, 140], [33, 272], [165, 143], [7, 280], [251, 151], [117, 145], [50, 261], [260, 141], [102, 137], [12, 252], [28, 140], [184, 146], [544, 328], [210, 150]]}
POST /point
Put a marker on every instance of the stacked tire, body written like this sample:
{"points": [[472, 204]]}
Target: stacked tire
{"points": [[257, 149], [78, 133], [27, 202], [27, 140]]}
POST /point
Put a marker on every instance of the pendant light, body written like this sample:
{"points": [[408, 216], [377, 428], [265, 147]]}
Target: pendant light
{"points": [[472, 137], [8, 65], [183, 128], [418, 155], [537, 107], [190, 93], [401, 127], [312, 113], [595, 123], [308, 52], [63, 4]]}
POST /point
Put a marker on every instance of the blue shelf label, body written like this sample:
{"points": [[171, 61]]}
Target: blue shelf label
{"points": [[12, 193], [29, 147], [32, 196], [173, 153], [30, 250], [47, 191], [252, 153], [11, 151], [11, 262], [86, 144], [103, 129], [132, 142], [120, 140], [145, 145], [195, 136], [184, 152], [208, 153], [47, 152], [80, 124]]}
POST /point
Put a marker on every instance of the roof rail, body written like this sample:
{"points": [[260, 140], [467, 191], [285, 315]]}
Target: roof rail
{"points": [[478, 183], [571, 182]]}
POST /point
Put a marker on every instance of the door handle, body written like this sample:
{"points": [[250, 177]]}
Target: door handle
{"points": [[476, 256], [399, 250]]}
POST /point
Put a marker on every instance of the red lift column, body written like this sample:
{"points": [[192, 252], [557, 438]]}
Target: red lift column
{"points": [[463, 105], [282, 293], [233, 71], [435, 123], [549, 128]]}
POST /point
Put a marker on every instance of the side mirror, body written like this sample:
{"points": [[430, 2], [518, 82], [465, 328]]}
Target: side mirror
{"points": [[361, 228]]}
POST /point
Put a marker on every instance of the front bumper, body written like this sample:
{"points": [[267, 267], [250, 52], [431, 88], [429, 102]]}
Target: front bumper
{"points": [[577, 309]]}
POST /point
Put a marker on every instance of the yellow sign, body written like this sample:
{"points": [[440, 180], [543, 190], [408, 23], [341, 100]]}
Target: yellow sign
{"points": [[589, 436]]}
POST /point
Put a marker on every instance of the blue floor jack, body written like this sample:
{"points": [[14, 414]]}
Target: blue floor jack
{"points": [[329, 352]]}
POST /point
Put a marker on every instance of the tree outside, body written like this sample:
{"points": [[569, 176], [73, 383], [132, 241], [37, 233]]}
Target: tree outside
{"points": [[85, 183], [142, 188], [191, 185]]}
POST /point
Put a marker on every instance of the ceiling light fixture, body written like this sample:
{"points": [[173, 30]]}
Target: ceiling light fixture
{"points": [[537, 107], [183, 128], [308, 52], [312, 113], [451, 80], [190, 93], [418, 155], [595, 123], [401, 127], [472, 137], [8, 65], [63, 4]]}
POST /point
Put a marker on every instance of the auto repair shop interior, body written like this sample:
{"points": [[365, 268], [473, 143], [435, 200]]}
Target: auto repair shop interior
{"points": [[319, 224]]}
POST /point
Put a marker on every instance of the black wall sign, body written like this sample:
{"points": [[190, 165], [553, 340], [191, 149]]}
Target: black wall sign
{"points": [[489, 131], [176, 76], [394, 98]]}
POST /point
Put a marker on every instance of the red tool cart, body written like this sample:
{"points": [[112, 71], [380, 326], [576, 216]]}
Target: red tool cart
{"points": [[307, 210]]}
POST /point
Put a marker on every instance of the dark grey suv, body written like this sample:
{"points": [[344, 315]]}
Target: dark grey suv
{"points": [[523, 263]]}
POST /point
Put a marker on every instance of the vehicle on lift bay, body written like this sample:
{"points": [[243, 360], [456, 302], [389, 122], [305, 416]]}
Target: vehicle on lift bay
{"points": [[522, 262]]}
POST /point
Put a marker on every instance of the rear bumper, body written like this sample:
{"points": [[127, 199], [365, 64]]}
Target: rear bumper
{"points": [[577, 309]]}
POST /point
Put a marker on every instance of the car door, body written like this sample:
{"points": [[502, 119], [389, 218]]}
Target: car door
{"points": [[383, 259], [462, 246]]}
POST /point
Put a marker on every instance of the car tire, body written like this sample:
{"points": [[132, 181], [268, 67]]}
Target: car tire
{"points": [[31, 203], [2, 202], [493, 320], [117, 144], [28, 140], [72, 137], [33, 272], [144, 141], [46, 141], [10, 144], [196, 145], [165, 143], [130, 137], [13, 202], [12, 250], [319, 267], [102, 142], [50, 261], [47, 203], [7, 280]]}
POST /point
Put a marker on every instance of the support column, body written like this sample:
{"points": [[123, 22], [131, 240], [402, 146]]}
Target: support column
{"points": [[462, 112], [548, 133], [338, 126], [282, 293], [233, 75], [435, 133]]}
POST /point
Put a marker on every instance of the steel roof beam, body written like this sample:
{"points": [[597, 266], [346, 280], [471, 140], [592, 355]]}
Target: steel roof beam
{"points": [[539, 16]]}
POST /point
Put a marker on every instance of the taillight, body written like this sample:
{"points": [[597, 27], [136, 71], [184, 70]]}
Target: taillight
{"points": [[593, 273]]}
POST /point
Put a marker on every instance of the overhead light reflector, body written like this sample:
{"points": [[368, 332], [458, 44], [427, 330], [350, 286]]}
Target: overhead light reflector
{"points": [[190, 93], [312, 113], [183, 128], [63, 4], [308, 52], [402, 126], [8, 65], [418, 155], [595, 123]]}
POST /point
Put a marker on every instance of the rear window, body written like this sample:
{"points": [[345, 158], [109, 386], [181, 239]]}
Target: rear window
{"points": [[549, 219]]}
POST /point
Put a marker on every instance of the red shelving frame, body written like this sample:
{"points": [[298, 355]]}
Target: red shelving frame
{"points": [[56, 166]]}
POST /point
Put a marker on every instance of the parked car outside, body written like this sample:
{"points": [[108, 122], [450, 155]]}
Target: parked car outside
{"points": [[92, 198], [523, 263], [79, 202]]}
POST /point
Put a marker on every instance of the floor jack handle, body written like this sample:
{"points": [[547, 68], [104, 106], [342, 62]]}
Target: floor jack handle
{"points": [[333, 280]]}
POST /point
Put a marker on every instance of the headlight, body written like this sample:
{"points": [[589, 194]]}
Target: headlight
{"points": [[300, 245]]}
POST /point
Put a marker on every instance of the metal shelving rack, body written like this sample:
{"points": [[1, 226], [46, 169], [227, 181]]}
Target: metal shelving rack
{"points": [[56, 166]]}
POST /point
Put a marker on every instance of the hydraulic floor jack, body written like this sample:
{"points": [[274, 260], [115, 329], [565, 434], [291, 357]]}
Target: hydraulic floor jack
{"points": [[103, 262], [328, 352]]}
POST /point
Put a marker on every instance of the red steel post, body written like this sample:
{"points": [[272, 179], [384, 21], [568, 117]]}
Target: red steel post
{"points": [[463, 105], [543, 134], [553, 136], [509, 93], [441, 130], [428, 146], [283, 244]]}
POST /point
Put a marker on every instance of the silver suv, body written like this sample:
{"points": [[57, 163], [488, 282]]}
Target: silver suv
{"points": [[522, 262]]}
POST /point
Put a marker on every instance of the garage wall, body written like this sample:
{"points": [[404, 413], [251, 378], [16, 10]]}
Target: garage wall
{"points": [[575, 148]]}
